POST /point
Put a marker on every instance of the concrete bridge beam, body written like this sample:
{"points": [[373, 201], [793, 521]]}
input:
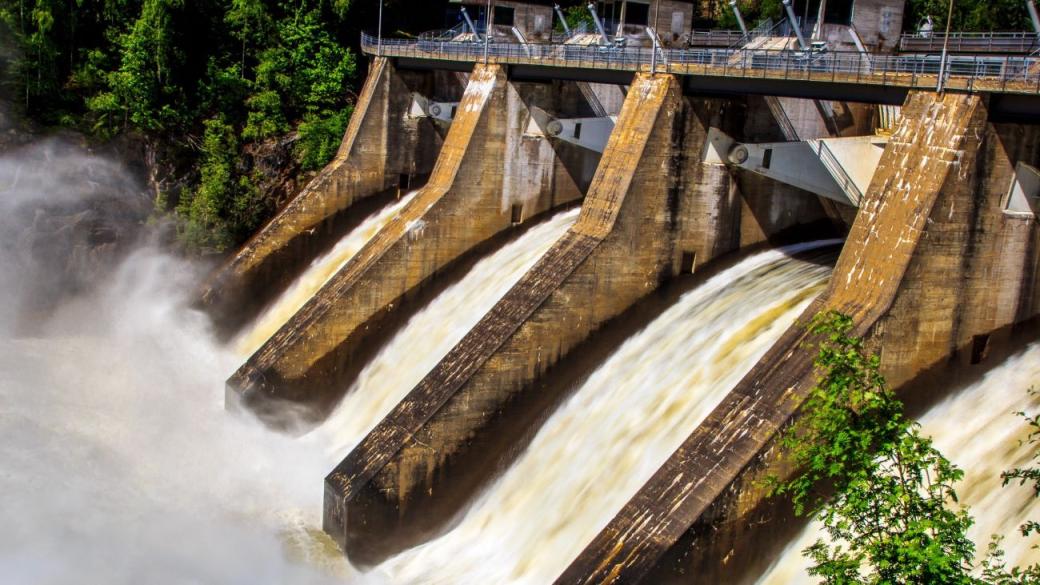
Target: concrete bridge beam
{"points": [[933, 266], [588, 133], [839, 169], [424, 107]]}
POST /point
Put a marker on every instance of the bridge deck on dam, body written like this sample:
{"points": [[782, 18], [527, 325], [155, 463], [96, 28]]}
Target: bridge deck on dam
{"points": [[1014, 80]]}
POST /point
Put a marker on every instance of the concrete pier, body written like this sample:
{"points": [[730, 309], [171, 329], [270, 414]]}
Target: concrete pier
{"points": [[470, 198], [933, 266], [383, 149], [654, 209]]}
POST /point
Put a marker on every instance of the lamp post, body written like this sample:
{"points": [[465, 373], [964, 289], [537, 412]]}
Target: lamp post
{"points": [[946, 43], [654, 38], [487, 33], [379, 33]]}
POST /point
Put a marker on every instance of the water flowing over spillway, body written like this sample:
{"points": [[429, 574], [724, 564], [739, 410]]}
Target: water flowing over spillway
{"points": [[620, 425], [120, 464], [317, 274], [431, 333], [977, 429]]}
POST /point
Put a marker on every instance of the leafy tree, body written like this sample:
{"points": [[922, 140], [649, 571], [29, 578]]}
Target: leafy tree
{"points": [[576, 17], [893, 512], [206, 211], [992, 15], [319, 137], [754, 13]]}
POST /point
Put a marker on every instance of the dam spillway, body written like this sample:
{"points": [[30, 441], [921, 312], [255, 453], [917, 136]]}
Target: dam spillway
{"points": [[984, 447], [628, 416], [426, 434], [430, 334], [543, 316], [274, 317]]}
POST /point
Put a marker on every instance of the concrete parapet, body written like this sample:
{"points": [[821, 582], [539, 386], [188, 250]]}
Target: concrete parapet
{"points": [[463, 205], [932, 266], [654, 209], [383, 148]]}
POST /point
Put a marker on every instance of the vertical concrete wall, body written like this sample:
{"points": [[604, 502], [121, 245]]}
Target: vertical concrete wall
{"points": [[463, 205], [654, 208], [928, 260], [879, 23], [381, 144]]}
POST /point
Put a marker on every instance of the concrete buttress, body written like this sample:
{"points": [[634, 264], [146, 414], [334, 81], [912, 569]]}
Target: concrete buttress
{"points": [[654, 208], [382, 148], [461, 206], [932, 264], [618, 251]]}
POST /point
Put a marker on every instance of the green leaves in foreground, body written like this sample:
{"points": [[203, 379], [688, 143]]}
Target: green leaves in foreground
{"points": [[894, 511]]}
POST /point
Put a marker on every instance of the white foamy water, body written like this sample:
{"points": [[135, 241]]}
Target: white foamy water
{"points": [[430, 334], [120, 465], [320, 271], [609, 437], [977, 430]]}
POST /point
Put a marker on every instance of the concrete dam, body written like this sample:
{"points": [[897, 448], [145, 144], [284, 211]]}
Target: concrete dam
{"points": [[544, 314]]}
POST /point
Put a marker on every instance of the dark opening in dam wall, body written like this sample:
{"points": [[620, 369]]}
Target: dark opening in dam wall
{"points": [[933, 264]]}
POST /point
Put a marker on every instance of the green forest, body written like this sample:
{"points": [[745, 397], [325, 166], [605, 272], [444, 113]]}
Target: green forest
{"points": [[213, 79]]}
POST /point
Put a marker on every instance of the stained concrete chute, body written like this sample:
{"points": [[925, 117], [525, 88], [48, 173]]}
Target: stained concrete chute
{"points": [[916, 276], [615, 254], [381, 149], [310, 360]]}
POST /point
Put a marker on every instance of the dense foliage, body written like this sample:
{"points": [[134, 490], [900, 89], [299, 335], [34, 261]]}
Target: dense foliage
{"points": [[234, 72], [891, 509], [969, 15], [213, 78], [892, 514]]}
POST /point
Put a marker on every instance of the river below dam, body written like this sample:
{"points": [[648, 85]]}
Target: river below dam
{"points": [[121, 465]]}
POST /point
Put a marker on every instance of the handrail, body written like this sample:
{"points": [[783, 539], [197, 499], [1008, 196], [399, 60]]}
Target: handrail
{"points": [[443, 34], [837, 170], [993, 74], [712, 37], [961, 42], [764, 29]]}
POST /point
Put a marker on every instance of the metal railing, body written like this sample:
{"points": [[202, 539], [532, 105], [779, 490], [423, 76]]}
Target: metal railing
{"points": [[837, 170], [992, 42], [766, 28], [993, 74], [712, 38], [444, 34]]}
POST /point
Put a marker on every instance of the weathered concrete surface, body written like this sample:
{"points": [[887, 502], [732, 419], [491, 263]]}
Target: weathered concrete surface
{"points": [[654, 208], [463, 204], [382, 148], [931, 263], [557, 302]]}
